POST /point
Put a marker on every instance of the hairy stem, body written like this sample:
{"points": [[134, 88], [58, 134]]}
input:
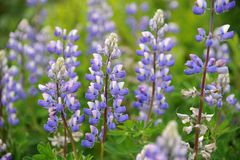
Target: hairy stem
{"points": [[153, 89], [66, 130], [203, 84]]}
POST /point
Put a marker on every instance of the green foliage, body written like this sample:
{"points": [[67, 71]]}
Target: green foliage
{"points": [[129, 138]]}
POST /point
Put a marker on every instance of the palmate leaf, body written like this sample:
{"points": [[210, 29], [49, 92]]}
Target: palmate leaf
{"points": [[45, 152]]}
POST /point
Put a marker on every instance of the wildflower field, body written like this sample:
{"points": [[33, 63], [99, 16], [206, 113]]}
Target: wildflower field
{"points": [[119, 79]]}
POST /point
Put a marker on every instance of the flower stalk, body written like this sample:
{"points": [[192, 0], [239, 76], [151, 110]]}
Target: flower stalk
{"points": [[203, 84]]}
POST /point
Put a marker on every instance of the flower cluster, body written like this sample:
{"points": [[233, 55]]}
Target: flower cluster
{"points": [[132, 10], [221, 34], [3, 148], [28, 50], [195, 65], [190, 122], [213, 93], [59, 95], [220, 6], [65, 46], [99, 23], [10, 90], [106, 81], [168, 146], [154, 68]]}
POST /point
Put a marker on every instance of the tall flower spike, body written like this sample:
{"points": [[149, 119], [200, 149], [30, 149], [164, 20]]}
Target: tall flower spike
{"points": [[10, 90], [99, 23], [106, 82], [28, 49], [59, 95], [167, 146], [154, 69], [212, 93]]}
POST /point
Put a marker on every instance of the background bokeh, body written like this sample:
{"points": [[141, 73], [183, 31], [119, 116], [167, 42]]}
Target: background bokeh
{"points": [[73, 14]]}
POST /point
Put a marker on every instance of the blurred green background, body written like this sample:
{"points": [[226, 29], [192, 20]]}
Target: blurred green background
{"points": [[73, 14]]}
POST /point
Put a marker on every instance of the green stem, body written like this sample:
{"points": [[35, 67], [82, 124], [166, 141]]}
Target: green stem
{"points": [[102, 151]]}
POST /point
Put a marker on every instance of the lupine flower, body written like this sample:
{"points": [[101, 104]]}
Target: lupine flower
{"points": [[59, 95], [231, 100], [199, 7], [99, 23], [11, 91], [220, 6], [69, 51], [168, 146], [101, 81], [154, 68], [213, 93], [132, 9], [224, 5], [195, 65], [28, 48], [190, 124]]}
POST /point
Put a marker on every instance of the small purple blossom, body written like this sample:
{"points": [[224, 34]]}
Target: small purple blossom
{"points": [[199, 7], [224, 5]]}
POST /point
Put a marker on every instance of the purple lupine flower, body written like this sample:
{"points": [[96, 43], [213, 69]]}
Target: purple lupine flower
{"points": [[199, 7], [28, 48], [219, 49], [220, 6], [135, 24], [231, 100], [69, 51], [10, 90], [105, 84], [223, 34], [154, 68], [195, 65], [224, 5], [59, 96], [168, 146], [99, 23], [213, 93]]}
